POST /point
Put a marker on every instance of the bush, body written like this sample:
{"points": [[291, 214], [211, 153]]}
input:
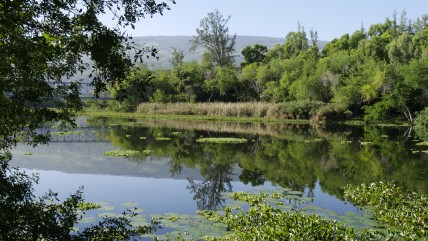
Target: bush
{"points": [[421, 124], [303, 109], [331, 112]]}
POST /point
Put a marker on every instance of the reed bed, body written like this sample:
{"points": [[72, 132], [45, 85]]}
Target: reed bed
{"points": [[246, 109]]}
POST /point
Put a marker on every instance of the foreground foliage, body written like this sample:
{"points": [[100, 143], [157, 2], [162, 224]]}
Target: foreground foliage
{"points": [[407, 211], [263, 221], [23, 217], [46, 49]]}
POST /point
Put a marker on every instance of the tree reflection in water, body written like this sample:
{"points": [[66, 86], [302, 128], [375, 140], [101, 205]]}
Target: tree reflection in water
{"points": [[295, 157], [208, 193]]}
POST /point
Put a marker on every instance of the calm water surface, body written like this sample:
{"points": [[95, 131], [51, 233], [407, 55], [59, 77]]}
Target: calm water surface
{"points": [[182, 176]]}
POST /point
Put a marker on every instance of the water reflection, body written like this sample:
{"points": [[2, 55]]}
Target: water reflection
{"points": [[318, 161], [289, 156], [208, 193]]}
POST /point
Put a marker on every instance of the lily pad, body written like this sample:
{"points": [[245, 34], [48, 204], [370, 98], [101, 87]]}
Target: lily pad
{"points": [[229, 140], [129, 204], [106, 208], [294, 192], [87, 220], [106, 215]]}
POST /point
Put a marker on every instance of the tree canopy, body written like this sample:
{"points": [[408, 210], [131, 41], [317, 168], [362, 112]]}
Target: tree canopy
{"points": [[213, 34], [43, 45], [375, 73]]}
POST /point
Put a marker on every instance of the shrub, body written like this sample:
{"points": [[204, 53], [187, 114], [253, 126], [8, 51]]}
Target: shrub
{"points": [[302, 109], [421, 124], [330, 112]]}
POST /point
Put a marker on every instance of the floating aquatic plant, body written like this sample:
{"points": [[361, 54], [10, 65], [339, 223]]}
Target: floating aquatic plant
{"points": [[148, 152], [106, 208], [230, 140], [106, 215], [87, 220], [366, 143], [126, 153], [263, 221], [84, 206], [424, 143], [314, 140], [129, 204], [161, 138], [393, 205], [68, 133]]}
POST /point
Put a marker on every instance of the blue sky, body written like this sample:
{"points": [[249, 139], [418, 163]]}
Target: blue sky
{"points": [[275, 18]]}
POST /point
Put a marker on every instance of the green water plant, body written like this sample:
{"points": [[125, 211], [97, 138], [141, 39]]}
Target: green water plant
{"points": [[424, 143], [148, 152], [222, 140], [406, 211], [162, 138], [366, 143], [84, 206], [126, 153], [264, 221]]}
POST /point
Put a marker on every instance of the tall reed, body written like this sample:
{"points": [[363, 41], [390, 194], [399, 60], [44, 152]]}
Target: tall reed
{"points": [[247, 109]]}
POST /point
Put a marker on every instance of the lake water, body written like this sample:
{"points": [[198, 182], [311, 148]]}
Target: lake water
{"points": [[175, 174]]}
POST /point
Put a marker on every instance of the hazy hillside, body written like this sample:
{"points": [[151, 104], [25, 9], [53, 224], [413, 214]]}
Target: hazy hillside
{"points": [[164, 44]]}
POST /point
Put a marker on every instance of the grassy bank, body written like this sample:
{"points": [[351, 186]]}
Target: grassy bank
{"points": [[293, 112], [137, 115]]}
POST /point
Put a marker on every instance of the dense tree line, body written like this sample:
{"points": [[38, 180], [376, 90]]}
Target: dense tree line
{"points": [[377, 72]]}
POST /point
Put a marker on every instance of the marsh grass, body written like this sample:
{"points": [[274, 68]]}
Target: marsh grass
{"points": [[247, 109]]}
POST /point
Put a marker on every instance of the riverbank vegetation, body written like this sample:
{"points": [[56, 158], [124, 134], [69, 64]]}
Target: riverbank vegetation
{"points": [[405, 219], [375, 74]]}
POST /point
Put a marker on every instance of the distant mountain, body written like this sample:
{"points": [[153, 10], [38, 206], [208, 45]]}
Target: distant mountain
{"points": [[165, 44]]}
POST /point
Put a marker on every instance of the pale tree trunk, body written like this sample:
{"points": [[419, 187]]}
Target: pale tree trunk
{"points": [[408, 114]]}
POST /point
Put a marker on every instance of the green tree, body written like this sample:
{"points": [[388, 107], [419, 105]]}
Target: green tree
{"points": [[213, 34], [255, 54], [249, 78], [177, 57], [137, 88], [188, 80], [224, 84], [295, 42], [401, 49], [43, 43]]}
